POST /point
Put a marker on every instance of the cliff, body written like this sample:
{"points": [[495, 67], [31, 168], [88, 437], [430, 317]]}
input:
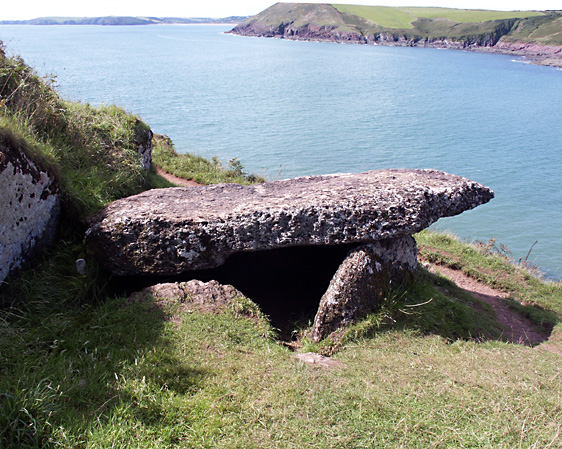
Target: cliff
{"points": [[534, 34]]}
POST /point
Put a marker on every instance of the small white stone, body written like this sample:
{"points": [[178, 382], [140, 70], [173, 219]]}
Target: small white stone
{"points": [[81, 267]]}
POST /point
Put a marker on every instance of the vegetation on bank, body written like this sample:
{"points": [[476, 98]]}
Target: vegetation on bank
{"points": [[197, 168], [82, 366], [545, 30], [93, 151]]}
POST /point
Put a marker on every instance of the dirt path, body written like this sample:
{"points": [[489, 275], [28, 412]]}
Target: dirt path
{"points": [[517, 328], [175, 179]]}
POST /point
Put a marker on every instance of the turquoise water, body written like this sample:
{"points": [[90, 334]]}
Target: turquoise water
{"points": [[297, 108]]}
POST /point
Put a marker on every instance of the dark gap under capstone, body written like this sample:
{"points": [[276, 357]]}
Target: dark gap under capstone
{"points": [[286, 283]]}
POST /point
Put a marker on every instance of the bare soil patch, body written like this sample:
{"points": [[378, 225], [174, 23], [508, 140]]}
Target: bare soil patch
{"points": [[518, 329], [175, 179]]}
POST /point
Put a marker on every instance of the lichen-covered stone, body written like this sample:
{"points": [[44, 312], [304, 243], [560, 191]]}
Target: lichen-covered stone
{"points": [[29, 206], [211, 297], [169, 231], [362, 280]]}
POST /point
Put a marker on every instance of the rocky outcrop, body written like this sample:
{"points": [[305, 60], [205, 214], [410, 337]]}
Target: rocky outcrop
{"points": [[170, 231], [195, 295], [361, 282], [143, 143], [308, 32], [550, 55], [29, 205], [145, 151]]}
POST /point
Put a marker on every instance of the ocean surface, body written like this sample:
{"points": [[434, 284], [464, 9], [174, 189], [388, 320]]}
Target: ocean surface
{"points": [[287, 108]]}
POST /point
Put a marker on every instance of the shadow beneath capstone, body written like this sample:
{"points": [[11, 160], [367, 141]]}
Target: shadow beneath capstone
{"points": [[286, 283]]}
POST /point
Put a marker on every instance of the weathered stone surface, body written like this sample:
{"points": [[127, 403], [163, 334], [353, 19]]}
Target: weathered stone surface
{"points": [[361, 282], [169, 231], [145, 150], [312, 358], [194, 295], [29, 206]]}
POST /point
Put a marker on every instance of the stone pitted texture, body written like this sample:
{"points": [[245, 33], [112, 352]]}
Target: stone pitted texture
{"points": [[195, 295], [361, 282], [29, 206], [169, 231]]}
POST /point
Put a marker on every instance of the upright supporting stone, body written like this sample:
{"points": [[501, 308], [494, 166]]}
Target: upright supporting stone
{"points": [[361, 281]]}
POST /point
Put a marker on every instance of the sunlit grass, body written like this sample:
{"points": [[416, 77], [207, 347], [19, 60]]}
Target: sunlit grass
{"points": [[197, 168], [402, 17], [381, 15]]}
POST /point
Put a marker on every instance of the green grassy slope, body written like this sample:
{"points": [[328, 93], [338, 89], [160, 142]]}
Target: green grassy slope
{"points": [[467, 15], [384, 16], [299, 15], [399, 17], [545, 30], [85, 368], [409, 25], [197, 168]]}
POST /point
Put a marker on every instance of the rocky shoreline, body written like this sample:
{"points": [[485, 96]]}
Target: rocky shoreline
{"points": [[548, 55]]}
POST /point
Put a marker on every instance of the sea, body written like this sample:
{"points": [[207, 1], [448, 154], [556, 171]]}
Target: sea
{"points": [[287, 108]]}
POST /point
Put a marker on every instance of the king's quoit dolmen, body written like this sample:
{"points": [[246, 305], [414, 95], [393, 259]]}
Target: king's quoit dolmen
{"points": [[178, 230]]}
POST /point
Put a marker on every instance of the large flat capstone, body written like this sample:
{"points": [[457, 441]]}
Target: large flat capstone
{"points": [[170, 231]]}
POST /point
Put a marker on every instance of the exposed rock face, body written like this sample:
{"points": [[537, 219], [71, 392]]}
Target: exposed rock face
{"points": [[361, 282], [308, 32], [169, 231], [145, 150], [29, 206]]}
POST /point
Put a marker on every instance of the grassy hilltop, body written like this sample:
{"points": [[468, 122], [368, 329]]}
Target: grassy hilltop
{"points": [[84, 366], [536, 34], [405, 18]]}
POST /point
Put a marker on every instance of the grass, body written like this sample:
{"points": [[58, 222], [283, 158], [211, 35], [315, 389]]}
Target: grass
{"points": [[546, 30], [468, 15], [384, 16], [82, 367], [489, 264], [197, 168], [392, 17]]}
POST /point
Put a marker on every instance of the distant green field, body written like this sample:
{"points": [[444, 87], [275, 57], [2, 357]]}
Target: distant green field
{"points": [[468, 15], [391, 17], [385, 16]]}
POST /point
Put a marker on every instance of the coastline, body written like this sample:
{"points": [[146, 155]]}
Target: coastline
{"points": [[546, 55]]}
